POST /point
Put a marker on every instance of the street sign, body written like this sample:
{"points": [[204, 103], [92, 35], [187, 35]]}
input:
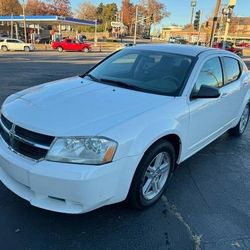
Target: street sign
{"points": [[116, 24]]}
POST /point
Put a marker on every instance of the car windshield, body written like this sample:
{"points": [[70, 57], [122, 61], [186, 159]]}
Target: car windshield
{"points": [[144, 70]]}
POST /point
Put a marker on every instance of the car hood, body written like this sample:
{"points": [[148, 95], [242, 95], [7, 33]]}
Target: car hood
{"points": [[76, 106]]}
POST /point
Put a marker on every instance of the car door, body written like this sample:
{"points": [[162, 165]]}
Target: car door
{"points": [[66, 44], [232, 91], [207, 115], [14, 44], [19, 45], [11, 44]]}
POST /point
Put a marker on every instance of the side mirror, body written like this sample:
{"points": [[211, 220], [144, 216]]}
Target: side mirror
{"points": [[206, 92]]}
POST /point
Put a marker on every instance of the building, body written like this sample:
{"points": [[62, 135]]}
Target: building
{"points": [[187, 33], [239, 29]]}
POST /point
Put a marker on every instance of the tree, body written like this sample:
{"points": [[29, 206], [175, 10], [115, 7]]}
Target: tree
{"points": [[87, 11], [153, 8], [59, 7], [128, 13], [36, 7], [109, 14], [8, 7], [104, 13], [154, 11]]}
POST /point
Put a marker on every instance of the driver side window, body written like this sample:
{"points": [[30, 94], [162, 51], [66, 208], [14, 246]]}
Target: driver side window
{"points": [[210, 74]]}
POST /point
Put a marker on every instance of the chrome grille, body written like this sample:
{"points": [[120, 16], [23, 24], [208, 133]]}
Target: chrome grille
{"points": [[25, 142]]}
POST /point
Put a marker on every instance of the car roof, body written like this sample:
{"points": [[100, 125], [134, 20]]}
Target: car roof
{"points": [[189, 50]]}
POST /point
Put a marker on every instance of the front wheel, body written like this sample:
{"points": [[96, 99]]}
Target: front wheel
{"points": [[152, 175], [59, 49], [240, 128]]}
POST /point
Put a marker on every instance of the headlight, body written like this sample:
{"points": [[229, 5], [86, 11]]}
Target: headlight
{"points": [[82, 150]]}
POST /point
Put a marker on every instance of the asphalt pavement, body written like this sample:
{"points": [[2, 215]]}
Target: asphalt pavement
{"points": [[207, 205]]}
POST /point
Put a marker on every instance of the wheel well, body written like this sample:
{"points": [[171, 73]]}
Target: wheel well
{"points": [[174, 140]]}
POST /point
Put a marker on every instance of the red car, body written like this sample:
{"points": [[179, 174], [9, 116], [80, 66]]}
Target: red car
{"points": [[244, 44], [229, 47], [71, 45]]}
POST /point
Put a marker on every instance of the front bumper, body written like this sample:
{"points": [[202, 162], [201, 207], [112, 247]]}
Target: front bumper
{"points": [[66, 188]]}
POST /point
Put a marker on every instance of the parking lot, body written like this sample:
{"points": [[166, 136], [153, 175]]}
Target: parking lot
{"points": [[206, 206]]}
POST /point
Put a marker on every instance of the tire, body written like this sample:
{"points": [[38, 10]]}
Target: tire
{"points": [[86, 50], [4, 48], [240, 54], [60, 49], [142, 191], [240, 128], [27, 49]]}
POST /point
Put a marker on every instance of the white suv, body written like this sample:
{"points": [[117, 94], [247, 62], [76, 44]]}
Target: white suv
{"points": [[7, 44], [119, 130]]}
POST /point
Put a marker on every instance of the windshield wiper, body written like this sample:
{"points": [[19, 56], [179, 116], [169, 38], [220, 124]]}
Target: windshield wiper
{"points": [[91, 77], [121, 84]]}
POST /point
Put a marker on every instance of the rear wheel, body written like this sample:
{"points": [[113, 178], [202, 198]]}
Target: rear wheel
{"points": [[27, 49], [152, 175], [4, 48], [239, 129], [59, 49], [85, 50]]}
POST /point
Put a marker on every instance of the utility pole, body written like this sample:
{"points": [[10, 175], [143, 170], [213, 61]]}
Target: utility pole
{"points": [[24, 22], [220, 23], [95, 33], [215, 18], [11, 26], [193, 5], [136, 17]]}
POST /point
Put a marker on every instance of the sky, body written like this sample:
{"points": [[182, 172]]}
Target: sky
{"points": [[181, 11]]}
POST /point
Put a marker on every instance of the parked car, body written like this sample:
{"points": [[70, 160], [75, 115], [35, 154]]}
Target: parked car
{"points": [[71, 45], [15, 44], [245, 44], [177, 40], [44, 40], [118, 131], [125, 45], [229, 47]]}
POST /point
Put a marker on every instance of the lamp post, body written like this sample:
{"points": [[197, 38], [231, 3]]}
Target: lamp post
{"points": [[24, 21]]}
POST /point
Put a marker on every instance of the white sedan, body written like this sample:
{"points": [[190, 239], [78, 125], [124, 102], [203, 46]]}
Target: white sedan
{"points": [[7, 44], [118, 131]]}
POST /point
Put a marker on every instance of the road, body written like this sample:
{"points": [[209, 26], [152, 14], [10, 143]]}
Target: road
{"points": [[206, 206]]}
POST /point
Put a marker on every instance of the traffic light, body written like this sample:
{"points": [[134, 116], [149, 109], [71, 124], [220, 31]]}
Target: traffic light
{"points": [[197, 20], [152, 17]]}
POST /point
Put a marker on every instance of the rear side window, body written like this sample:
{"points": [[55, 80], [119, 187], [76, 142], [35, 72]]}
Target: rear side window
{"points": [[232, 69], [11, 41]]}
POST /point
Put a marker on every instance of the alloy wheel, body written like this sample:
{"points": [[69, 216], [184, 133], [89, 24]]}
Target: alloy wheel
{"points": [[244, 119], [156, 176]]}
